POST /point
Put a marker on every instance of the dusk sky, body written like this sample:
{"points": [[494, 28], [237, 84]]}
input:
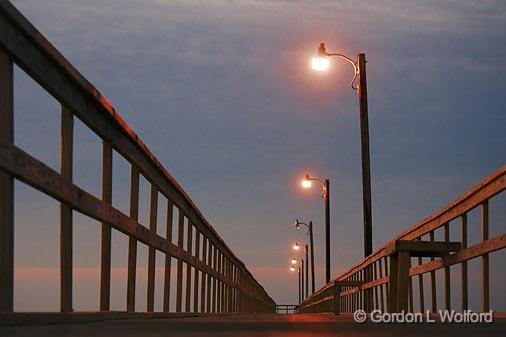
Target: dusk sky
{"points": [[223, 94]]}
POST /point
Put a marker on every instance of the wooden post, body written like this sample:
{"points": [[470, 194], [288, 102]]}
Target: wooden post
{"points": [[484, 259], [392, 283], [6, 187], [105, 263], [366, 166], [465, 301], [67, 127], [179, 286], [132, 241], [337, 299], [402, 280], [189, 267], [196, 273], [168, 258], [153, 212]]}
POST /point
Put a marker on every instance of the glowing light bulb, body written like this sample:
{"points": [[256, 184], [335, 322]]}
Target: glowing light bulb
{"points": [[306, 183], [320, 63]]}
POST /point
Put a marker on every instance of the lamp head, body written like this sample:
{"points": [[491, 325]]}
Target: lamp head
{"points": [[292, 268], [296, 224], [321, 61], [306, 183], [294, 261], [296, 246]]}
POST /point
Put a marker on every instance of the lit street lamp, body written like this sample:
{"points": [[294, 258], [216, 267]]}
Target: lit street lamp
{"points": [[310, 233], [307, 183], [321, 63], [294, 261], [296, 245], [301, 278]]}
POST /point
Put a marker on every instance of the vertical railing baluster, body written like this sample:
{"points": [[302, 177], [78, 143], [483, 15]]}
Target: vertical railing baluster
{"points": [[375, 289], [433, 293], [188, 266], [381, 287], [132, 241], [196, 273], [209, 277], [387, 285], [105, 263], [179, 286], [66, 237], [6, 187], [465, 303], [204, 275], [215, 281], [168, 258], [230, 289], [420, 286], [220, 297], [447, 271], [153, 212], [485, 258]]}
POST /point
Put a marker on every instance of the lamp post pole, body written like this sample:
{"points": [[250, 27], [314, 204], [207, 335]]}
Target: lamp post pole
{"points": [[299, 287], [327, 231], [312, 254], [366, 165], [302, 279], [307, 268], [321, 63], [311, 243]]}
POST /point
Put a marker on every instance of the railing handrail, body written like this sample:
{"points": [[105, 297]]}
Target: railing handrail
{"points": [[104, 104], [63, 81]]}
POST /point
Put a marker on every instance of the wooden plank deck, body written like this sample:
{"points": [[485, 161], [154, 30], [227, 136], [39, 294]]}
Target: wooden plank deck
{"points": [[270, 325]]}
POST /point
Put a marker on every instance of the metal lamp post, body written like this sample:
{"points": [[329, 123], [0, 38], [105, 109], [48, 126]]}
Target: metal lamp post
{"points": [[306, 183], [310, 233], [321, 63]]}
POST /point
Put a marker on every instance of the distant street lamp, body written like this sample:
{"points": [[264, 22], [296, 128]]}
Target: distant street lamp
{"points": [[310, 233], [296, 245], [321, 63], [307, 183], [294, 261], [301, 278]]}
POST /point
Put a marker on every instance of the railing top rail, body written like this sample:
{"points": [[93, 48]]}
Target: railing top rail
{"points": [[11, 15]]}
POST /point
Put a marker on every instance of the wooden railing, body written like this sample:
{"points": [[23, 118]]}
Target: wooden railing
{"points": [[221, 282], [384, 280]]}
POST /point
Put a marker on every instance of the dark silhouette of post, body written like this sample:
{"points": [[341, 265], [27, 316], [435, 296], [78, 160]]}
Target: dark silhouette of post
{"points": [[312, 255], [302, 279], [299, 287], [307, 268], [6, 187], [366, 169], [327, 230]]}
